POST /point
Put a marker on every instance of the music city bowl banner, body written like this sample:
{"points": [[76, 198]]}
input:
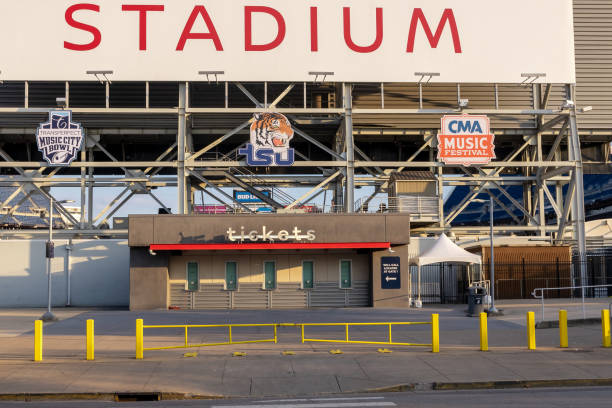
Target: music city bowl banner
{"points": [[60, 139], [279, 40]]}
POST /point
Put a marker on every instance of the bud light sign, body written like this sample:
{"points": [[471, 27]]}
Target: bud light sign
{"points": [[270, 137], [59, 139], [466, 140]]}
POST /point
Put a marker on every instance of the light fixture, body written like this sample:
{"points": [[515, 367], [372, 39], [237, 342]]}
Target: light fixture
{"points": [[211, 73], [151, 252], [531, 77], [428, 75], [586, 109], [464, 103], [61, 102], [101, 75], [318, 74], [568, 104]]}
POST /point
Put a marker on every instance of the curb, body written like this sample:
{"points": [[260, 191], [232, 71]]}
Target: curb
{"points": [[411, 387], [494, 385], [553, 324], [103, 396]]}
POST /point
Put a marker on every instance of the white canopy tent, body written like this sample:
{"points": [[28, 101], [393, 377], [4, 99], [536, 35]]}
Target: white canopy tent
{"points": [[443, 250]]}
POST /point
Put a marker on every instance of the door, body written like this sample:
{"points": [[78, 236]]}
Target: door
{"points": [[307, 274], [231, 276], [270, 275], [193, 277], [345, 274]]}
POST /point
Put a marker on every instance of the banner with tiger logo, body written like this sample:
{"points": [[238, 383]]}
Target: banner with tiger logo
{"points": [[269, 143]]}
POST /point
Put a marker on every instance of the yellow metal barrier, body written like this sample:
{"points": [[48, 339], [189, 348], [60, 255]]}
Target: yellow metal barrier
{"points": [[38, 340], [606, 341], [484, 334], [139, 339], [531, 339], [435, 344], [90, 339], [563, 338], [140, 335], [435, 333]]}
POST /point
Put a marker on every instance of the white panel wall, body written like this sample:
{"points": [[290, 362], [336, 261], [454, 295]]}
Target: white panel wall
{"points": [[98, 272]]}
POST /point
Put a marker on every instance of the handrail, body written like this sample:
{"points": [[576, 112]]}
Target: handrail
{"points": [[541, 296]]}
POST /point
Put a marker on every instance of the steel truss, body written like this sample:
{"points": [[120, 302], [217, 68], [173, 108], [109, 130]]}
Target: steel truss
{"points": [[547, 162]]}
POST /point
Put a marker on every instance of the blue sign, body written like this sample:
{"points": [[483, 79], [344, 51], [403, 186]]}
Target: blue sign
{"points": [[390, 272], [60, 139], [247, 198], [270, 137]]}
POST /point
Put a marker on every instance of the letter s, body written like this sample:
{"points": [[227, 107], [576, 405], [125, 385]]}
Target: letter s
{"points": [[97, 36]]}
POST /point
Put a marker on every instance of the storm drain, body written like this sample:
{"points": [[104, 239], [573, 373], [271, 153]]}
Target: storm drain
{"points": [[137, 396]]}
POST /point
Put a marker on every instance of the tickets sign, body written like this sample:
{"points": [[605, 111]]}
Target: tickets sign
{"points": [[466, 140]]}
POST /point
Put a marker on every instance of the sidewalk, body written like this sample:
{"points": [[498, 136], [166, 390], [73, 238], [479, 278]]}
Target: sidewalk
{"points": [[264, 371]]}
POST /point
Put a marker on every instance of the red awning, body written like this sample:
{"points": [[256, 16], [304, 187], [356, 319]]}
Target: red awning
{"points": [[251, 246]]}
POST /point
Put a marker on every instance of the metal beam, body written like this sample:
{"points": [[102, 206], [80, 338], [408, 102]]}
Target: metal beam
{"points": [[315, 188], [218, 190]]}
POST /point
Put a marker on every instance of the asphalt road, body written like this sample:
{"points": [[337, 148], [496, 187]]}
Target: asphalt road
{"points": [[592, 397]]}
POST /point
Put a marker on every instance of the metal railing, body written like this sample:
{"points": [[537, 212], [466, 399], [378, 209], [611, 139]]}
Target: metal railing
{"points": [[542, 290], [140, 335], [140, 349]]}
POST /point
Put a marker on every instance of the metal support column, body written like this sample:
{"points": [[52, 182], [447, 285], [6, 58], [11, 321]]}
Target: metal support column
{"points": [[90, 190], [181, 137], [349, 202], [578, 213]]}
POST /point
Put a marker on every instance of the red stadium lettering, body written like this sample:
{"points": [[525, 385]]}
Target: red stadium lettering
{"points": [[97, 36], [347, 32], [210, 35], [142, 10], [314, 29], [248, 32], [434, 39]]}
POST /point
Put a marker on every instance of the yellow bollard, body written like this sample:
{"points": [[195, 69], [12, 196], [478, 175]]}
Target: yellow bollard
{"points": [[531, 339], [563, 342], [484, 334], [275, 334], [38, 340], [606, 341], [139, 339], [90, 339], [435, 333], [302, 334]]}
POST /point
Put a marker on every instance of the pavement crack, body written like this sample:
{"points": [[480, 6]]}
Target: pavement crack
{"points": [[362, 370], [433, 368], [338, 383], [223, 372], [153, 371]]}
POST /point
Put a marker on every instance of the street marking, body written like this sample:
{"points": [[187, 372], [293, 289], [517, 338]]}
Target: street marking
{"points": [[337, 351], [315, 405], [322, 399]]}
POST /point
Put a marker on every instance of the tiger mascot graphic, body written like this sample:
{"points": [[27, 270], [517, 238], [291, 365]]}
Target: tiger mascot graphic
{"points": [[271, 131]]}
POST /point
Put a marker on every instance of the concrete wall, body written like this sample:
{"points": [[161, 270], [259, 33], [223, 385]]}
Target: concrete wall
{"points": [[99, 273], [391, 298], [148, 280]]}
